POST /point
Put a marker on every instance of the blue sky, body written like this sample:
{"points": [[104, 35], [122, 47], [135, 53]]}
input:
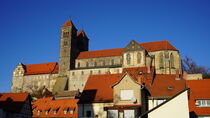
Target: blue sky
{"points": [[30, 29]]}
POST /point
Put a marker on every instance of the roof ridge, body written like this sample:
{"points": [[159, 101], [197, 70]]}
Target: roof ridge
{"points": [[40, 63]]}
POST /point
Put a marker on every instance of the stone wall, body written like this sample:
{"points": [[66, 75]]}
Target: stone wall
{"points": [[78, 78]]}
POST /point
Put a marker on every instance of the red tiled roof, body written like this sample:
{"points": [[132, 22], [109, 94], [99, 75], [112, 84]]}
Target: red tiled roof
{"points": [[13, 102], [60, 105], [16, 97], [157, 45], [166, 85], [199, 89], [100, 53], [99, 88], [68, 23], [157, 84], [149, 46], [43, 68]]}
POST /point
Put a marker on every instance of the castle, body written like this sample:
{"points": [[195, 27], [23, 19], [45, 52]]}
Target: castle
{"points": [[76, 63]]}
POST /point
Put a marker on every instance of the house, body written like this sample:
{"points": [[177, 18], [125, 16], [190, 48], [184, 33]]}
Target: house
{"points": [[129, 94], [49, 107], [15, 105], [174, 107], [199, 99]]}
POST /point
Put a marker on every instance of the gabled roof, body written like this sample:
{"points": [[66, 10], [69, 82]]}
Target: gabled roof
{"points": [[199, 89], [99, 88], [60, 105], [13, 102], [148, 46], [158, 85], [43, 68]]}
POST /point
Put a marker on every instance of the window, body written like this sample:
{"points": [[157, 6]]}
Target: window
{"points": [[172, 61], [112, 114], [161, 60], [87, 64], [128, 58], [126, 94], [46, 112], [82, 72], [112, 61], [38, 112], [65, 111], [99, 71], [71, 111], [65, 34], [202, 103], [91, 72], [72, 73], [88, 113], [55, 111], [95, 64], [139, 58], [78, 65]]}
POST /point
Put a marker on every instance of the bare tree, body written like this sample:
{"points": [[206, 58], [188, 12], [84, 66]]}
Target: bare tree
{"points": [[191, 67]]}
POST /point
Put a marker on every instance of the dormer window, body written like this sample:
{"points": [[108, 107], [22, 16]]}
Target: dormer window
{"points": [[55, 111], [71, 111], [39, 112], [65, 111], [46, 112]]}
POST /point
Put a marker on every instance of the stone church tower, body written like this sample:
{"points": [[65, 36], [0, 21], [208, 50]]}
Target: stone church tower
{"points": [[71, 44]]}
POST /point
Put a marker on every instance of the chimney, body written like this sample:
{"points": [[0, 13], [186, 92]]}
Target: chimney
{"points": [[185, 75], [177, 73], [148, 69]]}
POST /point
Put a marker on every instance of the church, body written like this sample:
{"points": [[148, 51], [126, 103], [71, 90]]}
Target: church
{"points": [[77, 63]]}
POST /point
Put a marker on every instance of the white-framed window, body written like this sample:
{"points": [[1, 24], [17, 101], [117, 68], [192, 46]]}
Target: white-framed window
{"points": [[71, 111], [46, 112], [112, 113], [65, 111], [126, 94], [38, 112], [202, 103]]}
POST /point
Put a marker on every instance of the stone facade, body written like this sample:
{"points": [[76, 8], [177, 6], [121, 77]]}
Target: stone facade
{"points": [[77, 68]]}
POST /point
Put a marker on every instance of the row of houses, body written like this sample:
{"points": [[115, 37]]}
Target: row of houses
{"points": [[119, 96]]}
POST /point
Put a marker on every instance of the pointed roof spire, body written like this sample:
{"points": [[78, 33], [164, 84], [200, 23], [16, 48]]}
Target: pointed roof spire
{"points": [[68, 23]]}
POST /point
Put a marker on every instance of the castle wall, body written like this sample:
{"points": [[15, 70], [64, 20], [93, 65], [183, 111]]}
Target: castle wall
{"points": [[78, 78], [29, 82]]}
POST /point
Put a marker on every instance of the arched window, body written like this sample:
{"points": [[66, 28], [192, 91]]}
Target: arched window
{"points": [[128, 58], [161, 60], [95, 64], [112, 61], [103, 63], [87, 64], [172, 61], [78, 65], [139, 58]]}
